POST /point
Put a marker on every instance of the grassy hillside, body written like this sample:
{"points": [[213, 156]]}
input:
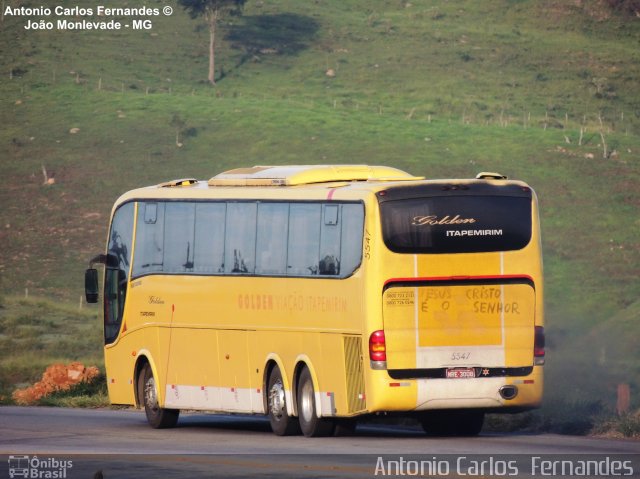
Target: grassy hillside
{"points": [[441, 89], [35, 333]]}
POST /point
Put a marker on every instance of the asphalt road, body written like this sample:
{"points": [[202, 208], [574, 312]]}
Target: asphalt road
{"points": [[120, 444]]}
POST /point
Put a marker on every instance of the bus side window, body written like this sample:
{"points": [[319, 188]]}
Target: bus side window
{"points": [[304, 239], [240, 238], [149, 255], [331, 214], [208, 256], [178, 237], [329, 264], [351, 237], [271, 246], [150, 213]]}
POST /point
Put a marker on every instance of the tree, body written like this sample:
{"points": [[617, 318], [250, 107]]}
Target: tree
{"points": [[212, 11]]}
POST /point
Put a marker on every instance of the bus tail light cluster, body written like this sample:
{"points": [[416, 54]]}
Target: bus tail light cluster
{"points": [[378, 350], [538, 346]]}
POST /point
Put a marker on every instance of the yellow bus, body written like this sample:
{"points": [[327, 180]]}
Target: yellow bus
{"points": [[320, 294]]}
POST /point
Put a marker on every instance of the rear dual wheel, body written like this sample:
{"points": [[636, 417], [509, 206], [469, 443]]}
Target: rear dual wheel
{"points": [[310, 424], [307, 421]]}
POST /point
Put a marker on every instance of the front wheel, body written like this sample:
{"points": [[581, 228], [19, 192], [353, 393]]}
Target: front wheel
{"points": [[158, 418], [310, 423], [281, 423]]}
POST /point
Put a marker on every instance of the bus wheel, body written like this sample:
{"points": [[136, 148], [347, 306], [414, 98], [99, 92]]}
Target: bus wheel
{"points": [[453, 423], [310, 423], [281, 423], [471, 424], [158, 418]]}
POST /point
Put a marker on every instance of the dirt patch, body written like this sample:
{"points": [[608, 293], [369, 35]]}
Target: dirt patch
{"points": [[57, 377]]}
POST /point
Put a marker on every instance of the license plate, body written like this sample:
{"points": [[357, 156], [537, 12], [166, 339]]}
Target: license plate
{"points": [[461, 373]]}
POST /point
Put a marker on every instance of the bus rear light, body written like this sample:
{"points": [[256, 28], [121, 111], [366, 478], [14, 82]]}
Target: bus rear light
{"points": [[378, 350], [538, 346]]}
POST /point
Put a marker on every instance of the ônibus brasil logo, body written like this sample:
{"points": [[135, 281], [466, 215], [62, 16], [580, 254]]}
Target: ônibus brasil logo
{"points": [[34, 467]]}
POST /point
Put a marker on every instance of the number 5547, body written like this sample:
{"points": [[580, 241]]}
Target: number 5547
{"points": [[459, 356]]}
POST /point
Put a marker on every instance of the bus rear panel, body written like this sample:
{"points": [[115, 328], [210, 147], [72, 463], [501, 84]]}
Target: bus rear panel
{"points": [[462, 324]]}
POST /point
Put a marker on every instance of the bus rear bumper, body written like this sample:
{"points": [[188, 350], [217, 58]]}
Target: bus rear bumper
{"points": [[492, 393], [478, 393]]}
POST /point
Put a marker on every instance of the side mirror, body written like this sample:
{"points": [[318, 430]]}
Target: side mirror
{"points": [[91, 285]]}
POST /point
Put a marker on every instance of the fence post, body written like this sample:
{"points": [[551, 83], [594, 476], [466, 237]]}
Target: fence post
{"points": [[624, 399]]}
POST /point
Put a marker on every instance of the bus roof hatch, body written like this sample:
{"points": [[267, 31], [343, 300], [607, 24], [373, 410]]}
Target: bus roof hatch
{"points": [[180, 182], [307, 174]]}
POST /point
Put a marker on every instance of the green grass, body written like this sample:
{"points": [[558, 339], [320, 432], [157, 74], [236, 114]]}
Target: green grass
{"points": [[628, 425], [81, 395], [441, 89], [558, 416], [572, 417], [35, 333]]}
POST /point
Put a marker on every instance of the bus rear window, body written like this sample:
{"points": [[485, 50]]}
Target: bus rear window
{"points": [[456, 224]]}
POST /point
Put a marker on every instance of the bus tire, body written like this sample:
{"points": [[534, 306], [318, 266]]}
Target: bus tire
{"points": [[310, 423], [281, 423], [471, 424], [462, 423], [158, 418]]}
